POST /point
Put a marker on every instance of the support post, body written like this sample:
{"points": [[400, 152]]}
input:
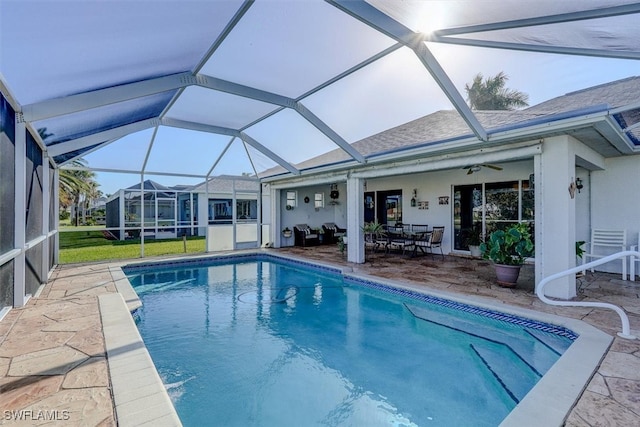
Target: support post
{"points": [[355, 217], [19, 262]]}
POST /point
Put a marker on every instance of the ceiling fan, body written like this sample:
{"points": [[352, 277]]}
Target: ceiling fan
{"points": [[476, 168]]}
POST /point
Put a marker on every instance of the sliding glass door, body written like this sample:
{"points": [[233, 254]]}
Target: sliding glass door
{"points": [[490, 206]]}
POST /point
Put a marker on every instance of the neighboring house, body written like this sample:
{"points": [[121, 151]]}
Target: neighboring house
{"points": [[588, 137], [170, 212]]}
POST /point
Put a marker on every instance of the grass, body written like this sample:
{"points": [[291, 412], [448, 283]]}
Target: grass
{"points": [[90, 246]]}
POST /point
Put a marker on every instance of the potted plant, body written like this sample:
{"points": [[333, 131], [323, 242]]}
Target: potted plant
{"points": [[473, 240], [508, 250], [342, 243], [286, 232]]}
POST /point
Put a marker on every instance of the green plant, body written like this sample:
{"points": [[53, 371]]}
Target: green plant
{"points": [[579, 248], [472, 236], [373, 228], [341, 244], [509, 247]]}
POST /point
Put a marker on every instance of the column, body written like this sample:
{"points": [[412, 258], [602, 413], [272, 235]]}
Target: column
{"points": [[555, 216], [355, 217], [20, 210]]}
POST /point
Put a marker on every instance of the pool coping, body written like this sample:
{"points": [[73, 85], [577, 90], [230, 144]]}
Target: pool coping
{"points": [[548, 403]]}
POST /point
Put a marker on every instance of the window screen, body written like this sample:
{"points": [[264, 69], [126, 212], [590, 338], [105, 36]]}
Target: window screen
{"points": [[33, 189], [7, 172]]}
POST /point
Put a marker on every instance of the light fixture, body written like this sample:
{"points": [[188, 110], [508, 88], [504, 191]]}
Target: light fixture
{"points": [[413, 199], [579, 184]]}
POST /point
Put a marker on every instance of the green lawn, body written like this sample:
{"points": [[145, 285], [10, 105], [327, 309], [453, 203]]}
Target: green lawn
{"points": [[90, 245]]}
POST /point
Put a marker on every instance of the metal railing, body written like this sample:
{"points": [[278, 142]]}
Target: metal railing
{"points": [[626, 331]]}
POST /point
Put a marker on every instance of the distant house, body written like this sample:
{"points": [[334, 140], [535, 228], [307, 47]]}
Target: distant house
{"points": [[171, 212]]}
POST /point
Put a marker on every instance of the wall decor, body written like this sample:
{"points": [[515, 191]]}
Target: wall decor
{"points": [[423, 204], [443, 200], [306, 199]]}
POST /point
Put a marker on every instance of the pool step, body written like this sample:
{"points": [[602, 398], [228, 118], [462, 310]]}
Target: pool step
{"points": [[516, 377], [539, 354]]}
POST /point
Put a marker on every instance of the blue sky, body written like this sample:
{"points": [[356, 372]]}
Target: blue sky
{"points": [[393, 92]]}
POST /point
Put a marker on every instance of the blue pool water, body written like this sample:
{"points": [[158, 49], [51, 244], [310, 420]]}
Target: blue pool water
{"points": [[271, 343]]}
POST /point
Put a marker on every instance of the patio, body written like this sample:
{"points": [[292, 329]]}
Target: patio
{"points": [[52, 354]]}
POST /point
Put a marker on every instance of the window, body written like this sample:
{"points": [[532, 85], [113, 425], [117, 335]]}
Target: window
{"points": [[318, 200], [292, 199], [247, 209], [489, 207]]}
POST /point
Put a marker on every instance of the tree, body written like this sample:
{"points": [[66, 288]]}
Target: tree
{"points": [[491, 94], [75, 185]]}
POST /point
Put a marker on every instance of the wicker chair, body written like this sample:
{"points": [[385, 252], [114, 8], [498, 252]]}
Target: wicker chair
{"points": [[305, 236], [332, 232]]}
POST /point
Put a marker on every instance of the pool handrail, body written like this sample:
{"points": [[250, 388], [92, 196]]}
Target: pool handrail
{"points": [[626, 331]]}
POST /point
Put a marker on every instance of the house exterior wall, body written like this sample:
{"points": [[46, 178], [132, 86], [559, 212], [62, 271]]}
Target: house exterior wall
{"points": [[615, 199], [305, 213], [431, 185]]}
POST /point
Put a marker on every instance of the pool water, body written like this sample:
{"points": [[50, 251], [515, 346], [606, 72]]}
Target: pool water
{"points": [[271, 343]]}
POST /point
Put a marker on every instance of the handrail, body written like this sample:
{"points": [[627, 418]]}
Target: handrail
{"points": [[626, 332]]}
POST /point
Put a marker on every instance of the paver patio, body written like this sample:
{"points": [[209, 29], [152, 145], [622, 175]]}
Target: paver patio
{"points": [[53, 362]]}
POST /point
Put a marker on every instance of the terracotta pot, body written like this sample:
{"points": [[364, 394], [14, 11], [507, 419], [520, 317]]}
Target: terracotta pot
{"points": [[507, 275]]}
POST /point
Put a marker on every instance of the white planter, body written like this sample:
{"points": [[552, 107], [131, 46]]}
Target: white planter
{"points": [[475, 251]]}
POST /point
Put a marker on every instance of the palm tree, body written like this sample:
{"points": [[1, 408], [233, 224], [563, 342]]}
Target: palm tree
{"points": [[491, 94], [76, 185]]}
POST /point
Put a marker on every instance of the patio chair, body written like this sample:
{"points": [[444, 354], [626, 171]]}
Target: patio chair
{"points": [[603, 242], [429, 241], [305, 236], [633, 261], [332, 232], [400, 242]]}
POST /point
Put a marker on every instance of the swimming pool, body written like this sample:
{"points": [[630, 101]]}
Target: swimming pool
{"points": [[258, 341]]}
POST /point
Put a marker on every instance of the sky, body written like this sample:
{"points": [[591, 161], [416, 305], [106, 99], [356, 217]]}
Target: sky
{"points": [[397, 91], [95, 43]]}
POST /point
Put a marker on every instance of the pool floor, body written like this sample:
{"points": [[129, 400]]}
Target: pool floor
{"points": [[262, 343]]}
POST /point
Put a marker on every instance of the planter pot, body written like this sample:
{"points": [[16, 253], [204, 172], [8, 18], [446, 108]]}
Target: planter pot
{"points": [[507, 275], [475, 251]]}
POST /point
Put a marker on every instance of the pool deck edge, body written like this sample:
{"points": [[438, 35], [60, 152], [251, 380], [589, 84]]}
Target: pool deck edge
{"points": [[140, 397]]}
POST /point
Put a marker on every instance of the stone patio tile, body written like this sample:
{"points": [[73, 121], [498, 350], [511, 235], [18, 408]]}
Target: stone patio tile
{"points": [[625, 346], [17, 345], [92, 373], [598, 385], [86, 407], [89, 341], [620, 365], [604, 411], [18, 392], [53, 361], [73, 325], [4, 365], [626, 392]]}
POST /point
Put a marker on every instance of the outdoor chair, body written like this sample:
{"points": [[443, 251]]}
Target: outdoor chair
{"points": [[332, 232], [429, 241], [400, 242], [634, 260], [604, 243], [305, 236]]}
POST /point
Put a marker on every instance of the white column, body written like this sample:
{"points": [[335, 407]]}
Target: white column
{"points": [[20, 210], [123, 214], [56, 215], [555, 216], [355, 217], [276, 219], [46, 200]]}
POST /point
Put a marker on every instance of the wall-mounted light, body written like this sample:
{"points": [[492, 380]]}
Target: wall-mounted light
{"points": [[579, 185], [413, 199]]}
